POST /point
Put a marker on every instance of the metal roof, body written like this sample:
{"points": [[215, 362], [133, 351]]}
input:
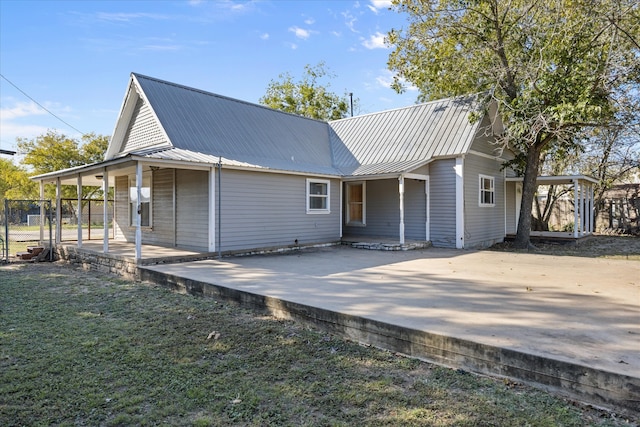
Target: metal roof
{"points": [[402, 136], [202, 122]]}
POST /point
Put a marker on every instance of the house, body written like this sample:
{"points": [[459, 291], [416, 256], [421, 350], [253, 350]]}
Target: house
{"points": [[195, 170]]}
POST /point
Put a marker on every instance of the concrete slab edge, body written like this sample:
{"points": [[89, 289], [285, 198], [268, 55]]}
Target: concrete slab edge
{"points": [[600, 388]]}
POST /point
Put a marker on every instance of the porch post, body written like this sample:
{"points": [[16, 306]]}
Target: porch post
{"points": [[105, 211], [592, 220], [58, 212], [138, 210], [79, 214], [401, 192], [41, 212], [583, 214], [459, 168], [427, 234], [576, 204], [212, 209]]}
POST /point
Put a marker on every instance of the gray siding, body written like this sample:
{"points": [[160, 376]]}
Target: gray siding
{"points": [[122, 230], [484, 225], [192, 209], [263, 210], [162, 210], [443, 203], [143, 130], [383, 210], [484, 142]]}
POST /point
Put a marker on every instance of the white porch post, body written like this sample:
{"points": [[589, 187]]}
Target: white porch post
{"points": [[401, 192], [576, 204], [427, 234], [583, 214], [138, 211], [79, 214], [42, 212], [105, 211], [58, 211], [459, 167], [592, 220], [212, 209]]}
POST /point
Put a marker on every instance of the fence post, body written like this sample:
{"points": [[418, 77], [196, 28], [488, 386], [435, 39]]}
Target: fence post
{"points": [[6, 229]]}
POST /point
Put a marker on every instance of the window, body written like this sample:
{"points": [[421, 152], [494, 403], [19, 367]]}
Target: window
{"points": [[356, 210], [145, 200], [318, 196], [487, 191]]}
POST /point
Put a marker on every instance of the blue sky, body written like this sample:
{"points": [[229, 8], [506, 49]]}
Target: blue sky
{"points": [[75, 57]]}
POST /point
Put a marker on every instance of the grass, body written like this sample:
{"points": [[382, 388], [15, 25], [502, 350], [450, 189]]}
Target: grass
{"points": [[78, 348]]}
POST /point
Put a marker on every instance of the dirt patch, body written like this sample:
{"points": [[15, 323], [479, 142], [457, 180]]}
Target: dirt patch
{"points": [[598, 246]]}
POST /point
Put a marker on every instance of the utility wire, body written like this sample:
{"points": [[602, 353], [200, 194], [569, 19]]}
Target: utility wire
{"points": [[40, 105]]}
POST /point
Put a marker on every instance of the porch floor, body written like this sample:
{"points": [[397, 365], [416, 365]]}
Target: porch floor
{"points": [[151, 254]]}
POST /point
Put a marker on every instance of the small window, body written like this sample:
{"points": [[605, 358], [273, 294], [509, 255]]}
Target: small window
{"points": [[487, 191], [145, 200], [318, 196]]}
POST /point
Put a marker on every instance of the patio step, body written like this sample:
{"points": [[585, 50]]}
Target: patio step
{"points": [[31, 253]]}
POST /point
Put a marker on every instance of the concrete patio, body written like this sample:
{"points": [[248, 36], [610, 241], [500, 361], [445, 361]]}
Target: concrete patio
{"points": [[568, 324]]}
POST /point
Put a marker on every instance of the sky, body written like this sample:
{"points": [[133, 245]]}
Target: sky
{"points": [[65, 65]]}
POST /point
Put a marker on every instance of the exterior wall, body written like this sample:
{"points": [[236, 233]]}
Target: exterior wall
{"points": [[483, 225], [143, 130], [122, 231], [192, 209], [163, 230], [383, 210], [263, 210], [443, 203]]}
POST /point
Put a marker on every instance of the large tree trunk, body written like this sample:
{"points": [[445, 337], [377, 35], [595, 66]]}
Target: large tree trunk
{"points": [[529, 186]]}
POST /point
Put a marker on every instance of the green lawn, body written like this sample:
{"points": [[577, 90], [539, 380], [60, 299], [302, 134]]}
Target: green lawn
{"points": [[77, 348]]}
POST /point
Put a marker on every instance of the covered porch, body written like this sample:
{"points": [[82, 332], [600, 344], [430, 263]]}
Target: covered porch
{"points": [[578, 224], [141, 191]]}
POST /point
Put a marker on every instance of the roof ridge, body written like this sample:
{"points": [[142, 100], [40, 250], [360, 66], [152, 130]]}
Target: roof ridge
{"points": [[217, 95]]}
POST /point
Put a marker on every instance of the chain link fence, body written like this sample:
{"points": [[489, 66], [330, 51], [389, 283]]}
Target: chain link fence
{"points": [[21, 236], [20, 225]]}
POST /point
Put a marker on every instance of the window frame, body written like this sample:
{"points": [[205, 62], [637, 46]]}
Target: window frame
{"points": [[482, 191], [146, 176], [348, 203], [327, 196]]}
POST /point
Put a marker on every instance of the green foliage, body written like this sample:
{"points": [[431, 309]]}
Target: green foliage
{"points": [[307, 97], [53, 151], [15, 182]]}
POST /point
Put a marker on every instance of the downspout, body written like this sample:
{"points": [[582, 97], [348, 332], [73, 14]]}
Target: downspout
{"points": [[219, 207]]}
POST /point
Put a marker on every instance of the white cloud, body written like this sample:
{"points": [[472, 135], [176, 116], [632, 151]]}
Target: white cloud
{"points": [[300, 33], [264, 36], [375, 41], [350, 21], [377, 5], [309, 21], [21, 109], [128, 17], [385, 79]]}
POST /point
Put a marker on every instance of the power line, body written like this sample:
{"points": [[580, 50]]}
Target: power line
{"points": [[40, 105]]}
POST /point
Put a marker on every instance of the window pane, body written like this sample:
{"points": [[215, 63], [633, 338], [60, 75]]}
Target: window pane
{"points": [[317, 188], [355, 212], [355, 192], [317, 202]]}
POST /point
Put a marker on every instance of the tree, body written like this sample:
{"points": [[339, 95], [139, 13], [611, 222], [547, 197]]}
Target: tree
{"points": [[307, 97], [15, 182], [53, 151], [552, 67]]}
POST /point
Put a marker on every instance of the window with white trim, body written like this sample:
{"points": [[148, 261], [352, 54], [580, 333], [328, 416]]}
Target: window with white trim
{"points": [[145, 200], [318, 197], [356, 212], [487, 195]]}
